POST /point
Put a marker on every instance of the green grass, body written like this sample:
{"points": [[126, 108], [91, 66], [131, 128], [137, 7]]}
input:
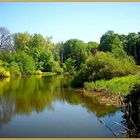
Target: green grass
{"points": [[118, 85], [48, 73]]}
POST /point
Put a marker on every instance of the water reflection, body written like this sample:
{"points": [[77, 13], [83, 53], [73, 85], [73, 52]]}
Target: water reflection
{"points": [[35, 94], [7, 109]]}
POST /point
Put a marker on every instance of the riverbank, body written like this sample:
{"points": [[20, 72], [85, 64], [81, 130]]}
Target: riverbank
{"points": [[48, 73], [101, 96], [117, 86], [36, 74], [109, 91]]}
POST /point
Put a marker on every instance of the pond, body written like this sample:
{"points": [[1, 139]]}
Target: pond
{"points": [[47, 107]]}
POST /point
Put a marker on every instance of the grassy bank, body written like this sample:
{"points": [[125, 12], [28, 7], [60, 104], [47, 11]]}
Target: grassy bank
{"points": [[119, 85], [7, 74], [48, 73]]}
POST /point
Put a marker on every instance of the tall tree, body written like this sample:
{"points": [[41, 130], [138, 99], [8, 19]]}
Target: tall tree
{"points": [[131, 43], [92, 47], [76, 50], [21, 41], [38, 41], [138, 50], [5, 39], [133, 46], [110, 41]]}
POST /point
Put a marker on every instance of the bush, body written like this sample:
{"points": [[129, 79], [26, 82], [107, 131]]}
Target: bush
{"points": [[1, 63], [53, 66], [25, 62], [14, 69], [103, 66], [7, 74], [4, 73], [56, 67], [38, 72], [6, 57], [70, 66], [80, 77], [45, 61]]}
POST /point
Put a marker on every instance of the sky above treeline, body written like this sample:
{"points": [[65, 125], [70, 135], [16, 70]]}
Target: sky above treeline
{"points": [[86, 21]]}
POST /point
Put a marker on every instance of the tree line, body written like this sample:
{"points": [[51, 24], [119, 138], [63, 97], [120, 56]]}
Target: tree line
{"points": [[25, 54]]}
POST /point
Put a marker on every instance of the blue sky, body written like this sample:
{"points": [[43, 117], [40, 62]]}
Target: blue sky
{"points": [[65, 20]]}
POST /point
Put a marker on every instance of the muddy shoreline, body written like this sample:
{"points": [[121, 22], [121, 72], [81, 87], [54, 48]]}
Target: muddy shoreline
{"points": [[102, 96]]}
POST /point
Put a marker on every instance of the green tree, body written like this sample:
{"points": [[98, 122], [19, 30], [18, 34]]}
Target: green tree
{"points": [[104, 66], [46, 58], [25, 63], [57, 52], [138, 51], [110, 41], [55, 67], [119, 53], [38, 41], [131, 43], [70, 65], [21, 41], [41, 50], [123, 39], [6, 57], [76, 50], [91, 46], [36, 53], [14, 69], [133, 46]]}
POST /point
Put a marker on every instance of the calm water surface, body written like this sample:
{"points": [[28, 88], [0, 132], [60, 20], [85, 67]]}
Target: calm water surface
{"points": [[47, 107]]}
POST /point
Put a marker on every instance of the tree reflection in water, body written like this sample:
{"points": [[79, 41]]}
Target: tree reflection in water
{"points": [[35, 94], [7, 109]]}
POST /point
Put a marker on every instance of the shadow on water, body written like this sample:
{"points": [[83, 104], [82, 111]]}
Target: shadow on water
{"points": [[132, 113]]}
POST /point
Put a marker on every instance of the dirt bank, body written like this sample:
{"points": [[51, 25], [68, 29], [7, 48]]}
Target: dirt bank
{"points": [[101, 96]]}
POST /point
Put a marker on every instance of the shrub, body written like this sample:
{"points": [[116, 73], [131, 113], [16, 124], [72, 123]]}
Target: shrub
{"points": [[53, 66], [7, 74], [25, 62], [56, 67], [80, 77], [38, 72], [70, 65], [6, 57], [14, 69], [1, 63], [104, 66], [4, 73]]}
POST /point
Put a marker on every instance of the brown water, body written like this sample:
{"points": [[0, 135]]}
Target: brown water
{"points": [[47, 107]]}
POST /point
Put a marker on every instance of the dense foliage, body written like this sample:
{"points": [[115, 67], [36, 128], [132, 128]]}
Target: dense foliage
{"points": [[104, 66], [26, 54]]}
